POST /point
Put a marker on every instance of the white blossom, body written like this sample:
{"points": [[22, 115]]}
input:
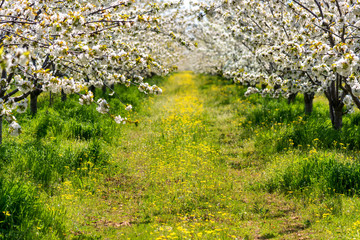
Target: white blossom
{"points": [[14, 129], [119, 120], [128, 108], [103, 106]]}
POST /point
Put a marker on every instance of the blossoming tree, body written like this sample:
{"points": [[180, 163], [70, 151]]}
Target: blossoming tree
{"points": [[300, 46], [73, 46]]}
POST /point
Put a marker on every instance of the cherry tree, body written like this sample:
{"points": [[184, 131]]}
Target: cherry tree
{"points": [[300, 46], [258, 35], [334, 49], [75, 46]]}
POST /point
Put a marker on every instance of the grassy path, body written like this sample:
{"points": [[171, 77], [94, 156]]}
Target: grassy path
{"points": [[183, 174], [185, 185]]}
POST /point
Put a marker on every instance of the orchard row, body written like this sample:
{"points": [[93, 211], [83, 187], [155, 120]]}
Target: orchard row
{"points": [[75, 46], [276, 47], [282, 48]]}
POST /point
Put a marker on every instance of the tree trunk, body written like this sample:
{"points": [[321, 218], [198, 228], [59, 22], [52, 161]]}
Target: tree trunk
{"points": [[33, 102], [336, 104], [276, 87], [338, 119], [336, 115], [291, 98], [92, 89], [308, 100], [104, 89], [63, 96]]}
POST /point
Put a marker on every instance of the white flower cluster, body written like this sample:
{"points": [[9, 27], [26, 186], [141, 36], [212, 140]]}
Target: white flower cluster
{"points": [[119, 120], [146, 88], [6, 112], [86, 99], [103, 106], [251, 90]]}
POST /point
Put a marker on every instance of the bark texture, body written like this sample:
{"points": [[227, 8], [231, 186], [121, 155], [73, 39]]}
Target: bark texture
{"points": [[291, 98], [63, 96], [336, 115], [103, 88], [308, 101], [92, 89], [33, 102]]}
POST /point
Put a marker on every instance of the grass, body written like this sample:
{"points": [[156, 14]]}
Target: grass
{"points": [[62, 143], [324, 173], [204, 163], [22, 216]]}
